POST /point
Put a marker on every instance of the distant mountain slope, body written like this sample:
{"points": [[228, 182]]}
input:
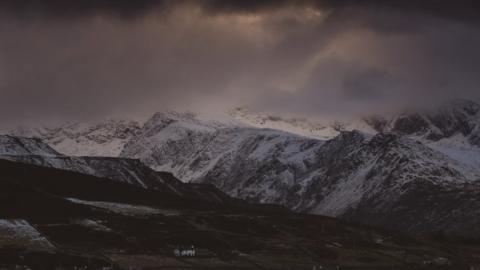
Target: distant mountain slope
{"points": [[394, 182], [458, 117], [12, 145], [333, 177], [85, 139], [124, 170], [455, 123], [53, 219], [452, 125], [452, 128], [195, 150]]}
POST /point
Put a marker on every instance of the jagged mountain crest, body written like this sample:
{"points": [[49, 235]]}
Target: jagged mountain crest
{"points": [[108, 138], [105, 138], [449, 119], [322, 129]]}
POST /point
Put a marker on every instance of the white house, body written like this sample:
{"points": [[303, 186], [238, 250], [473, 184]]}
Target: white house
{"points": [[185, 251]]}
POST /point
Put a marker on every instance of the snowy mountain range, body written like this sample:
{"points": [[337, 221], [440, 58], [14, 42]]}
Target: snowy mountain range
{"points": [[124, 170], [105, 138], [411, 172], [378, 175]]}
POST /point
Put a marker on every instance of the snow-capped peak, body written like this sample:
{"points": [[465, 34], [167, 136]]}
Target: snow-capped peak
{"points": [[321, 128]]}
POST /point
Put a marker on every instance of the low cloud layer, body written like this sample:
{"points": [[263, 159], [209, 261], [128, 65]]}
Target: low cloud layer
{"points": [[61, 60]]}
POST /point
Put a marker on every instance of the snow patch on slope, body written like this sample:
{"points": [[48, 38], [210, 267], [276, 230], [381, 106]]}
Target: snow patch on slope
{"points": [[119, 208], [346, 194], [11, 145], [18, 232], [459, 149]]}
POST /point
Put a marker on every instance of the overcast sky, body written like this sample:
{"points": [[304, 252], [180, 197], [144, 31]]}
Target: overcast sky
{"points": [[87, 59]]}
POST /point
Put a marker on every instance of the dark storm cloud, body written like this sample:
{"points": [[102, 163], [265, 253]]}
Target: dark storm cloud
{"points": [[460, 9], [82, 59], [61, 9]]}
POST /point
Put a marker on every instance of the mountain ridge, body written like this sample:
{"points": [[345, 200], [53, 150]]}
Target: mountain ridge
{"points": [[104, 138], [338, 176]]}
